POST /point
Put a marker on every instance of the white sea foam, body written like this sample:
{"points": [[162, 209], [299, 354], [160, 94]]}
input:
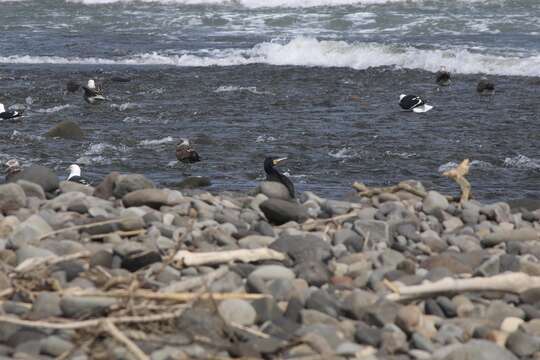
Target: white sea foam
{"points": [[251, 89], [165, 140], [402, 155], [124, 106], [54, 109], [306, 51], [522, 161], [265, 138], [101, 153], [343, 153]]}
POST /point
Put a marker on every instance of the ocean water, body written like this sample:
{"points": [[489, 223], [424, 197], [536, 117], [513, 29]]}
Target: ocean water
{"points": [[316, 80]]}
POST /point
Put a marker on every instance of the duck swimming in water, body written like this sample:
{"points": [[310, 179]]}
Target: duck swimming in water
{"points": [[10, 114], [272, 174], [485, 87], [93, 94], [185, 152], [443, 77], [413, 103]]}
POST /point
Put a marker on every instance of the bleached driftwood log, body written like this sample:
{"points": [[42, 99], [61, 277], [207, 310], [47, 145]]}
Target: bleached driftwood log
{"points": [[458, 175], [508, 282], [187, 258], [363, 190]]}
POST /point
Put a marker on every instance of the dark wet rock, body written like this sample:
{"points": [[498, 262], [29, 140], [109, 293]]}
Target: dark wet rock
{"points": [[447, 306], [101, 258], [280, 211], [12, 197], [124, 184], [38, 174], [381, 313], [201, 322], [266, 310], [194, 182], [76, 307], [138, 260], [303, 248], [314, 272], [368, 335], [105, 189], [433, 308], [322, 301], [66, 129]]}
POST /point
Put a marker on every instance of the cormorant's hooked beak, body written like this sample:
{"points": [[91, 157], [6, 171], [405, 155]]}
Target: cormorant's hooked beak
{"points": [[277, 161]]}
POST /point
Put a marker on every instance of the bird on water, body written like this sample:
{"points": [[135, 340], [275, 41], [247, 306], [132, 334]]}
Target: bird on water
{"points": [[413, 103], [273, 174], [443, 77], [185, 152], [93, 94], [485, 87], [75, 175], [9, 114]]}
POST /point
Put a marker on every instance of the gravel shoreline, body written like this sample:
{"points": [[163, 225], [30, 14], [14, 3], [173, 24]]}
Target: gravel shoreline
{"points": [[129, 271]]}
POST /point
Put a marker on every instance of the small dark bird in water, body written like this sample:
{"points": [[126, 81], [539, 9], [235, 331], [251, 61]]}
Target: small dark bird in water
{"points": [[272, 174], [10, 114], [185, 152], [443, 77], [93, 94], [75, 175], [485, 87], [72, 86], [413, 103]]}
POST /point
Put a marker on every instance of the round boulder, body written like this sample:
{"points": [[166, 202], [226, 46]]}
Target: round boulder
{"points": [[66, 129]]}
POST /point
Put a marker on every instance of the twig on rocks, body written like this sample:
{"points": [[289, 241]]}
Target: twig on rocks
{"points": [[35, 262], [94, 322], [508, 282], [119, 233], [458, 175], [250, 330], [85, 226], [197, 281], [187, 258], [370, 192], [109, 327], [180, 297], [312, 224]]}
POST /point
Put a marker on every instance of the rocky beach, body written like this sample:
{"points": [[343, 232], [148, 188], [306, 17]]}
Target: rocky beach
{"points": [[126, 270]]}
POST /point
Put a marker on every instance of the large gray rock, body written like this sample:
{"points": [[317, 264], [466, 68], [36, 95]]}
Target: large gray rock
{"points": [[237, 311], [12, 197], [105, 189], [434, 201], [74, 306], [29, 230], [523, 344], [124, 184], [374, 230], [154, 198], [72, 186], [477, 350], [66, 129], [271, 272], [274, 190], [523, 234], [279, 211], [41, 175], [32, 189]]}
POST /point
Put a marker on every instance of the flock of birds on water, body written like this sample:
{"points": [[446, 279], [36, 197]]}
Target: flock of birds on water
{"points": [[93, 94]]}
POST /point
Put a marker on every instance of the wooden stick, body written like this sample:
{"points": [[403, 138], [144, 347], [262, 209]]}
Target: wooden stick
{"points": [[369, 192], [458, 175], [187, 258], [120, 233], [180, 297], [312, 224], [123, 339], [508, 282], [93, 322], [85, 226], [32, 263], [197, 281]]}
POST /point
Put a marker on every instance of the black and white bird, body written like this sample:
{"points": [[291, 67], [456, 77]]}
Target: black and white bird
{"points": [[93, 94], [185, 152], [485, 87], [413, 103], [75, 175], [13, 167], [10, 114], [272, 174], [443, 77]]}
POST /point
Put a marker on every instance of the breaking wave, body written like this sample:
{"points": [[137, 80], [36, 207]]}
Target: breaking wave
{"points": [[307, 51]]}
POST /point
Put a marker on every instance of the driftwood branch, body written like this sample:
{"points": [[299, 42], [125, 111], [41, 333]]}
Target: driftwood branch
{"points": [[458, 175], [85, 226], [119, 233], [33, 263], [187, 258], [91, 323], [363, 190], [109, 327], [508, 282], [313, 224], [179, 297], [197, 281]]}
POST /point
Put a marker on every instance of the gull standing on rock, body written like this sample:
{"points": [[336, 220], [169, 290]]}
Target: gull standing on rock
{"points": [[10, 114], [75, 175], [185, 152], [93, 94]]}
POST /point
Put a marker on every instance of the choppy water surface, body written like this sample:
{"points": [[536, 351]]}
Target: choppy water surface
{"points": [[316, 80]]}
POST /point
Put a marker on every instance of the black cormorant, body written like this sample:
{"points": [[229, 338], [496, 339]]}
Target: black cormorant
{"points": [[272, 174]]}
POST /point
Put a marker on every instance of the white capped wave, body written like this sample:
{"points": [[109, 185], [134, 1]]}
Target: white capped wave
{"points": [[251, 3], [307, 51], [251, 89], [54, 109], [124, 106], [265, 138], [165, 140], [522, 161], [343, 153]]}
